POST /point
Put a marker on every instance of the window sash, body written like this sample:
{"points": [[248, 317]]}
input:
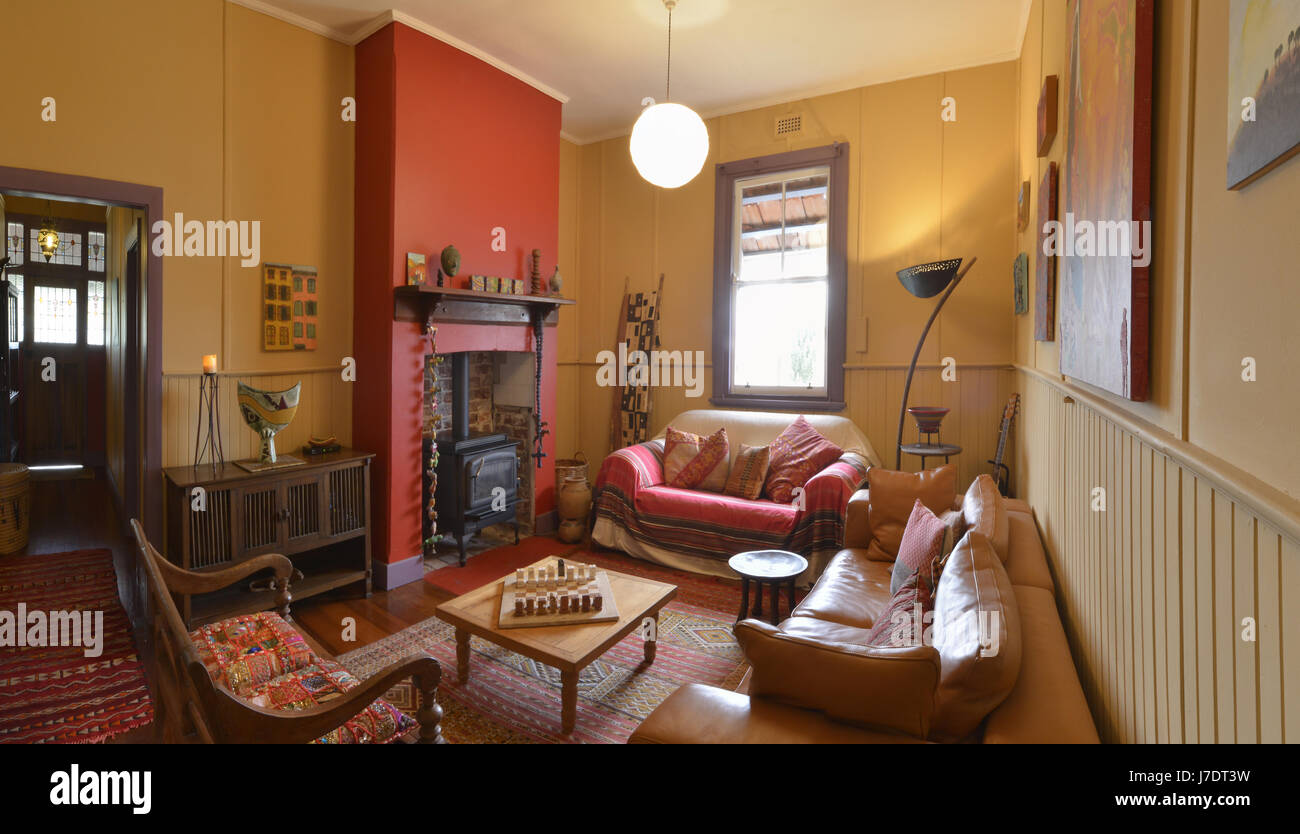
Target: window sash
{"points": [[741, 185]]}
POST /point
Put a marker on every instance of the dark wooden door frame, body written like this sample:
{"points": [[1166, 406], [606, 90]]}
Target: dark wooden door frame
{"points": [[25, 182]]}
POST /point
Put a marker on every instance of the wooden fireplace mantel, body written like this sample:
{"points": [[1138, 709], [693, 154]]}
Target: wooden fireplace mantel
{"points": [[427, 305]]}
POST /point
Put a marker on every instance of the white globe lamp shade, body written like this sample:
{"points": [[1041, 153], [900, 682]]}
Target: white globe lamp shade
{"points": [[669, 144]]}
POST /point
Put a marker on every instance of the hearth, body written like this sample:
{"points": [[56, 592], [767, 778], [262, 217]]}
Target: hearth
{"points": [[478, 472]]}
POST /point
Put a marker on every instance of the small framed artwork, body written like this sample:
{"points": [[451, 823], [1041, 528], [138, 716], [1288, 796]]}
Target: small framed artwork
{"points": [[1263, 87], [1045, 274], [1022, 207], [1020, 284], [1047, 107], [417, 269]]}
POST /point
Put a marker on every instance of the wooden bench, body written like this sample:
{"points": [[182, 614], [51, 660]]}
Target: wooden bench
{"points": [[190, 706]]}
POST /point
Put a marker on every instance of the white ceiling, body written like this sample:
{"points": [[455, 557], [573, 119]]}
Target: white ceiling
{"points": [[603, 56]]}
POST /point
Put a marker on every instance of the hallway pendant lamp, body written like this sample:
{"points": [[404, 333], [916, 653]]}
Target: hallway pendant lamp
{"points": [[48, 237], [926, 281], [669, 141]]}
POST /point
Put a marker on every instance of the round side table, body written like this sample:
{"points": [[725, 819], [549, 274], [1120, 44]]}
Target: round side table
{"points": [[766, 567], [931, 450]]}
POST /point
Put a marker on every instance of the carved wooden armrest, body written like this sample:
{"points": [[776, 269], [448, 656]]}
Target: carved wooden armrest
{"points": [[246, 722], [187, 582]]}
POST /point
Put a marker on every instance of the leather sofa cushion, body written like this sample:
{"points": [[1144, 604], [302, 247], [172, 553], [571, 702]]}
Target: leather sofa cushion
{"points": [[1027, 564], [698, 714], [889, 688], [976, 628], [892, 495], [857, 531], [985, 511], [852, 591], [1047, 704]]}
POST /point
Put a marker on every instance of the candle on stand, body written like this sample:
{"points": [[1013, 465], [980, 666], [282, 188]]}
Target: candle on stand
{"points": [[210, 364]]}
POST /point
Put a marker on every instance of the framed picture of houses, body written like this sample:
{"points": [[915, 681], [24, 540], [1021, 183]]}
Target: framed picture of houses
{"points": [[1263, 87]]}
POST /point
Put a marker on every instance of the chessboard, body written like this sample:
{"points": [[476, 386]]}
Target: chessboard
{"points": [[556, 592]]}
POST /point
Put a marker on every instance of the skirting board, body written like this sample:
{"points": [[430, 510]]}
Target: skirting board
{"points": [[389, 575]]}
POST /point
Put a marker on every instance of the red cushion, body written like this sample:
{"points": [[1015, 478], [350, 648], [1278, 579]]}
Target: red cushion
{"points": [[796, 455], [903, 623], [921, 547], [692, 461]]}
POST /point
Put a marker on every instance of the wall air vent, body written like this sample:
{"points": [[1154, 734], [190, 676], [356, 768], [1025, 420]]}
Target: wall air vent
{"points": [[789, 125]]}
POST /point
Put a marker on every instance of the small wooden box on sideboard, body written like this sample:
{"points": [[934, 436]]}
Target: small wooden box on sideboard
{"points": [[317, 514]]}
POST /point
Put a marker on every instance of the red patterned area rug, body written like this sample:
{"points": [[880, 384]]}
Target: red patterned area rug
{"points": [[57, 694], [512, 699]]}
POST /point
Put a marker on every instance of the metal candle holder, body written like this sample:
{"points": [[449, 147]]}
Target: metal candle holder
{"points": [[208, 402]]}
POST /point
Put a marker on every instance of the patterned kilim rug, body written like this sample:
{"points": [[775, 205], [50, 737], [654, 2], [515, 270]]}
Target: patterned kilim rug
{"points": [[58, 694], [511, 699]]}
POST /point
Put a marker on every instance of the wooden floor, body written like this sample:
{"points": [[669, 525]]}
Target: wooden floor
{"points": [[384, 613]]}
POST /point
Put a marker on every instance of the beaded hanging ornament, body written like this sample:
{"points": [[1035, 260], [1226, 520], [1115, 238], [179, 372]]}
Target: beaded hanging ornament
{"points": [[431, 470]]}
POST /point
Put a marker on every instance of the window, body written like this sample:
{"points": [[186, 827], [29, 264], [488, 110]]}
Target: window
{"points": [[16, 312], [94, 312], [14, 243], [95, 251], [68, 253], [55, 312], [779, 280]]}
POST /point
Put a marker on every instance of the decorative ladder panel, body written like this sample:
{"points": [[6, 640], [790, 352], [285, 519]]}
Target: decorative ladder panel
{"points": [[259, 518], [347, 500], [210, 531], [304, 509]]}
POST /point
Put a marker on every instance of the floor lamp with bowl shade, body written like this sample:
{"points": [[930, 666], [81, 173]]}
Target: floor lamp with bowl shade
{"points": [[926, 281]]}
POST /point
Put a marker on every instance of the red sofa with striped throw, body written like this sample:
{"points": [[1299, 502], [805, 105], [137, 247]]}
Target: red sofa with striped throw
{"points": [[639, 514]]}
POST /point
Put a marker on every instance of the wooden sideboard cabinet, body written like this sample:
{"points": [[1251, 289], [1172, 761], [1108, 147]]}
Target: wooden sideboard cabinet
{"points": [[317, 514]]}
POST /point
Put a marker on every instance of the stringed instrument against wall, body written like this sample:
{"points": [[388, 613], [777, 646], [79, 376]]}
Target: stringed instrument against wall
{"points": [[1001, 473]]}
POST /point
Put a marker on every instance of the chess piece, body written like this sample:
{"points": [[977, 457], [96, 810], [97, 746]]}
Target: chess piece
{"points": [[528, 605], [597, 602], [519, 607], [586, 602], [560, 567]]}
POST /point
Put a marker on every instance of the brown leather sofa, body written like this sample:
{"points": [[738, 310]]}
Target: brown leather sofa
{"points": [[814, 681]]}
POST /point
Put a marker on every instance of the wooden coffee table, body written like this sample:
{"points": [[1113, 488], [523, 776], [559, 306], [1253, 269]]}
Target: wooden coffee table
{"points": [[569, 648]]}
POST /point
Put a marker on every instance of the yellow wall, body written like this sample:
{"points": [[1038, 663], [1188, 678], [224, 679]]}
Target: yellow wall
{"points": [[1202, 525], [234, 115], [920, 189]]}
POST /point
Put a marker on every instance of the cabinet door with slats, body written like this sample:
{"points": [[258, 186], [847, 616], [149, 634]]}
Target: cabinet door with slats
{"points": [[210, 527], [304, 503], [348, 501], [258, 524]]}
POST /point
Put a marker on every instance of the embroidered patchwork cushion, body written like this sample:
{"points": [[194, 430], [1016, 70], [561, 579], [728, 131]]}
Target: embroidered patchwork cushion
{"points": [[748, 472], [322, 682], [692, 461], [251, 649], [796, 455]]}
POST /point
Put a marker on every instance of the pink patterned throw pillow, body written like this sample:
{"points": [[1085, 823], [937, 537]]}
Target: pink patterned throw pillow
{"points": [[921, 548], [796, 455], [692, 461]]}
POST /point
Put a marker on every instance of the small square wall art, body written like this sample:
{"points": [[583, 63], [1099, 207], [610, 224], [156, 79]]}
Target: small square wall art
{"points": [[417, 269]]}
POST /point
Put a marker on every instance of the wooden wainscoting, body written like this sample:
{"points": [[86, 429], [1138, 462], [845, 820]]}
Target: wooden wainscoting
{"points": [[324, 408], [1154, 590]]}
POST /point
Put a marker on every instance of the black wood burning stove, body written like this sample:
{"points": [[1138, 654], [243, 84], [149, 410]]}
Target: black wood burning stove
{"points": [[478, 474]]}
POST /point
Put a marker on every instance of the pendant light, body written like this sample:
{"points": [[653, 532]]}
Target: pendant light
{"points": [[669, 141], [48, 237]]}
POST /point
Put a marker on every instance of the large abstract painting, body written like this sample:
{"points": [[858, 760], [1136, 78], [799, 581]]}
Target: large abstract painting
{"points": [[1263, 87], [1106, 196]]}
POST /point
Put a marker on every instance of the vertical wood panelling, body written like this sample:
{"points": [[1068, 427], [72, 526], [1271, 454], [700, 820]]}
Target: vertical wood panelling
{"points": [[1155, 590], [324, 408]]}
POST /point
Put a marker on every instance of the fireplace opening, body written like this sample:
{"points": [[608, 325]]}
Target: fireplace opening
{"points": [[478, 413]]}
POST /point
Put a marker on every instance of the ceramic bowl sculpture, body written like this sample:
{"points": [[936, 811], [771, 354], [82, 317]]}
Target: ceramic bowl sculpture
{"points": [[928, 417], [268, 413]]}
